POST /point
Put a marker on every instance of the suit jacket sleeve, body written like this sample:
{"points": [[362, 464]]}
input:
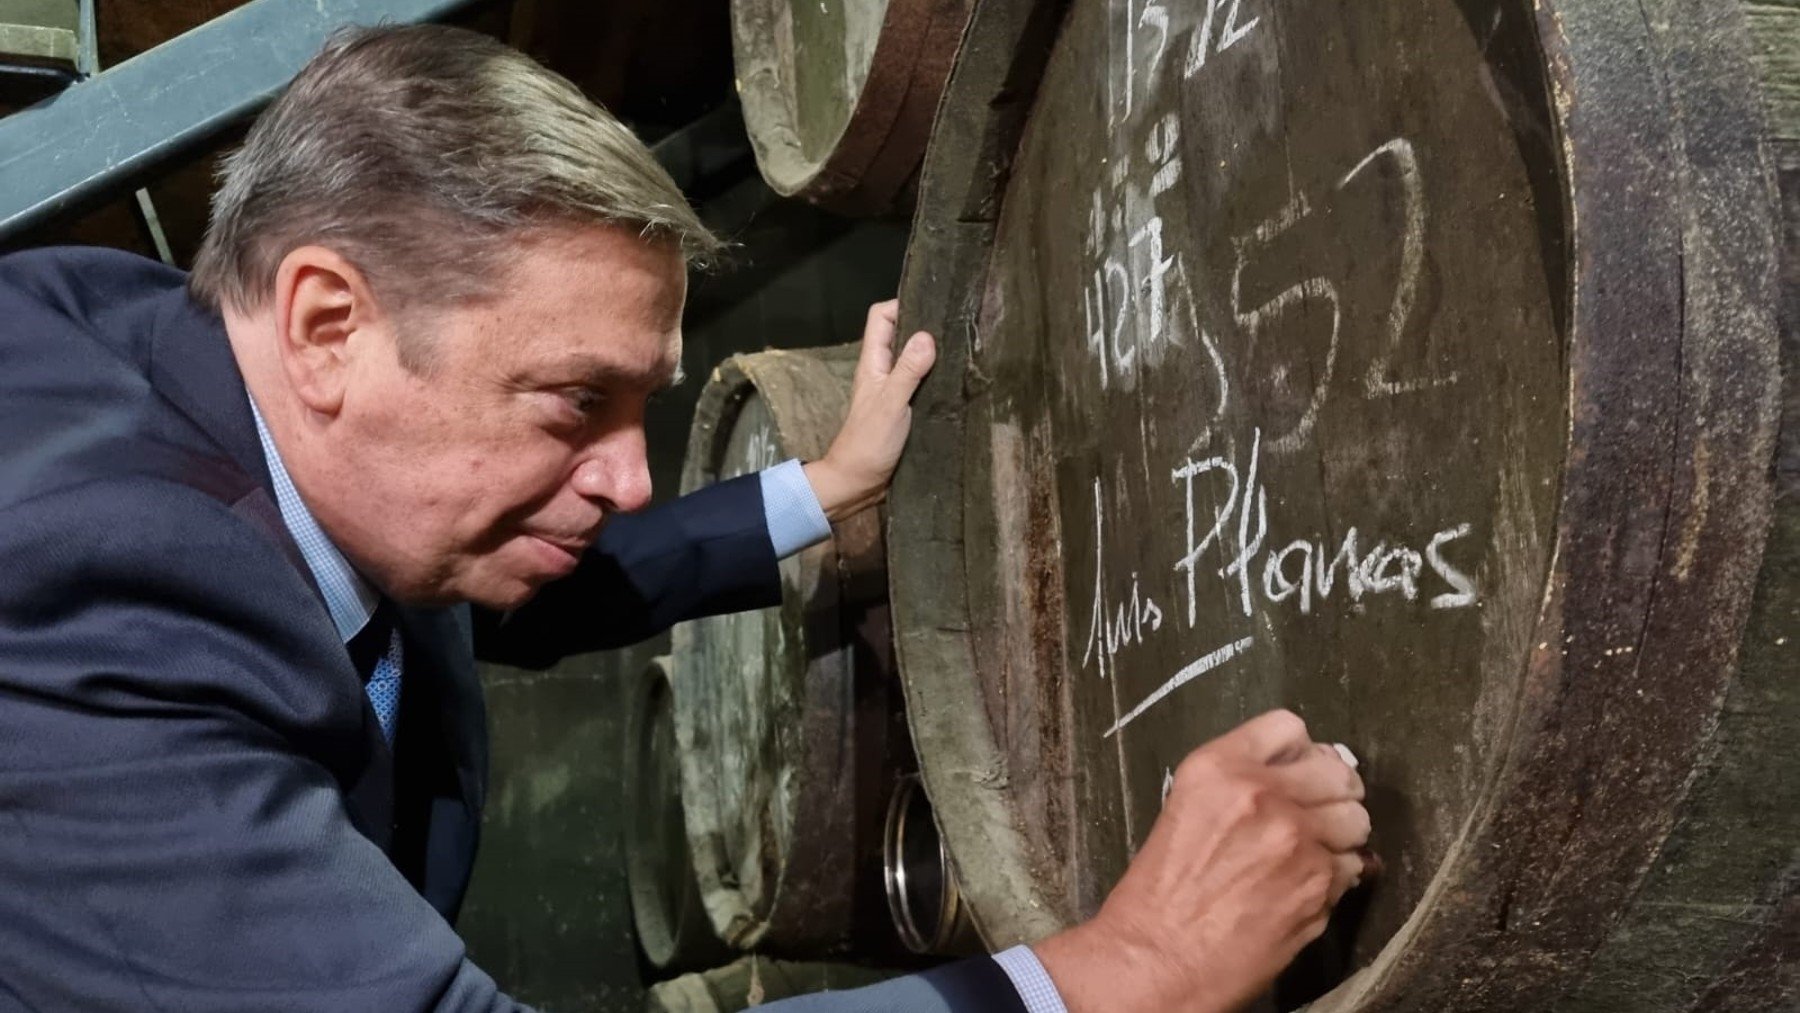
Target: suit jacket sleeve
{"points": [[703, 554], [167, 839], [971, 986]]}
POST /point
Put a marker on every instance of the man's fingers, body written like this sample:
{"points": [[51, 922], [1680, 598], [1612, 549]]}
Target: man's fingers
{"points": [[1371, 864], [1275, 737], [1319, 777], [1347, 872], [1341, 826], [914, 362], [877, 355], [887, 310]]}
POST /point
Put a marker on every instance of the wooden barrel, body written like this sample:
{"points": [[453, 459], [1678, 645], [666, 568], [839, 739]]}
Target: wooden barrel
{"points": [[838, 97], [789, 718], [752, 981], [673, 930], [1418, 366]]}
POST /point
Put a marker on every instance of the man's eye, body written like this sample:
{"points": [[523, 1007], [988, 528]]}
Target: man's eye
{"points": [[584, 400]]}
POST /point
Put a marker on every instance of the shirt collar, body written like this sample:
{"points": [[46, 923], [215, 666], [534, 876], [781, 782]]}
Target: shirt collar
{"points": [[349, 598]]}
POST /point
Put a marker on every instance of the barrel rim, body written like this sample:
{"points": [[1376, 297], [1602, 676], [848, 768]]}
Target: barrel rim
{"points": [[656, 936], [660, 933], [876, 151], [980, 118]]}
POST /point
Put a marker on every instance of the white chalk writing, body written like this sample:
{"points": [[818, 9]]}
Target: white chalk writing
{"points": [[1380, 569], [1379, 382], [1253, 320], [1129, 300], [1139, 302], [1464, 589], [1230, 33], [1144, 42], [1287, 379], [1114, 626], [1122, 289], [1192, 670], [1234, 528]]}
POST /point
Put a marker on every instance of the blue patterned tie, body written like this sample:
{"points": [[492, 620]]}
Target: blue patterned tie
{"points": [[376, 650]]}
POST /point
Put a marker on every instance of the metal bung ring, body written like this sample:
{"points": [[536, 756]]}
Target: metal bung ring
{"points": [[921, 883]]}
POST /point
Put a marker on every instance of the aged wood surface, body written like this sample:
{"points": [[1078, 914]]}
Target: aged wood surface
{"points": [[1716, 925], [786, 718], [839, 97], [673, 929], [1412, 365], [1227, 418]]}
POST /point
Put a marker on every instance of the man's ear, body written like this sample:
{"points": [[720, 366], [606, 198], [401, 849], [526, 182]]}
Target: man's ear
{"points": [[325, 316]]}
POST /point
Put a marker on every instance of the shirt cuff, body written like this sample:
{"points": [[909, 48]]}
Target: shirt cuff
{"points": [[1036, 989], [792, 510]]}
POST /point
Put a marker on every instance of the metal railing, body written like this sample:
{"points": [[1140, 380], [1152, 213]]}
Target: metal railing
{"points": [[114, 129]]}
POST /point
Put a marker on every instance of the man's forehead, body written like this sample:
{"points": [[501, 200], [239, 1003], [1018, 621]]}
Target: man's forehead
{"points": [[662, 368]]}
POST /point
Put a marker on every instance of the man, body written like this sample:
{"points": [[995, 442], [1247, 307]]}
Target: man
{"points": [[242, 515]]}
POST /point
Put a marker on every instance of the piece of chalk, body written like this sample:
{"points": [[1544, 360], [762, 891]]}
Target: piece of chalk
{"points": [[1344, 751]]}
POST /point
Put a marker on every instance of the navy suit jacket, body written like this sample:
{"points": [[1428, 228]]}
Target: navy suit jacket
{"points": [[197, 809]]}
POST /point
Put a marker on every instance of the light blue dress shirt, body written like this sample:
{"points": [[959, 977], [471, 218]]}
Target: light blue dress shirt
{"points": [[795, 520], [793, 513], [349, 598]]}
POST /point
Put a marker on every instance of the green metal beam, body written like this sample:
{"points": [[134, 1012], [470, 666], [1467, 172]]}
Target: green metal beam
{"points": [[109, 133]]}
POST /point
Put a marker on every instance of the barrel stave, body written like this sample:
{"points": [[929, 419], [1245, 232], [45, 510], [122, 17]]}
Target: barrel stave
{"points": [[1716, 924]]}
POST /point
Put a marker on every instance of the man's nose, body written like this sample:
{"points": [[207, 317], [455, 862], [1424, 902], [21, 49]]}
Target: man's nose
{"points": [[616, 473]]}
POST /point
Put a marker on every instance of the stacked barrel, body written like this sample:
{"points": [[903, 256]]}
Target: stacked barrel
{"points": [[839, 97], [1431, 368], [772, 743], [788, 718]]}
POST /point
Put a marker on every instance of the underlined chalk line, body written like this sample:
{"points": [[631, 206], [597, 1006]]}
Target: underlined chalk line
{"points": [[1192, 670]]}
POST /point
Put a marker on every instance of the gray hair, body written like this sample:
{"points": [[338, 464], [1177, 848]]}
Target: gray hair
{"points": [[422, 154]]}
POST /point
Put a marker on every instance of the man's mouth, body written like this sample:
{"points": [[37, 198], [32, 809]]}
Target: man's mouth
{"points": [[558, 555], [572, 546]]}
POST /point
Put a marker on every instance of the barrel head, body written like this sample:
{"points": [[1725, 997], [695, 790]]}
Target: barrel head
{"points": [[1300, 426], [1360, 359]]}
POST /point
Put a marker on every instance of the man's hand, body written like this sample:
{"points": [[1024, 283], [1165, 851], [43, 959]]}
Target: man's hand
{"points": [[1261, 834], [854, 473]]}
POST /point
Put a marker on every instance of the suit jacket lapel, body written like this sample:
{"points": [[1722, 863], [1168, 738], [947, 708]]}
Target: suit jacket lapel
{"points": [[440, 667], [192, 367], [441, 766]]}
